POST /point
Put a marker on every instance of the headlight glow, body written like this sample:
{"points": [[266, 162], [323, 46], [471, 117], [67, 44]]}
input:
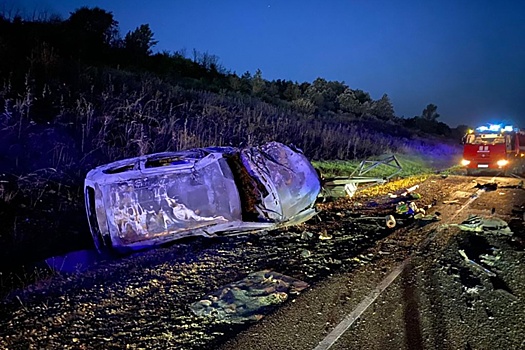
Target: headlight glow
{"points": [[465, 162], [502, 162]]}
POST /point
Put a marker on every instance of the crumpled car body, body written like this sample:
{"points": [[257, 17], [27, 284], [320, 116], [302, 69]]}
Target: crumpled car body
{"points": [[145, 201]]}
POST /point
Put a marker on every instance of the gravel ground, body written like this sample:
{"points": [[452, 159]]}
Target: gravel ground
{"points": [[142, 301]]}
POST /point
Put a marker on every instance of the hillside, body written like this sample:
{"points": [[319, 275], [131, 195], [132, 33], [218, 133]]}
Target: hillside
{"points": [[75, 95]]}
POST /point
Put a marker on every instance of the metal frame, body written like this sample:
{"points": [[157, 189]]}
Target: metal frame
{"points": [[347, 186]]}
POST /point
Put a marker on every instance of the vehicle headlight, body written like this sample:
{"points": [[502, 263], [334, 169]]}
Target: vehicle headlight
{"points": [[465, 162], [502, 162]]}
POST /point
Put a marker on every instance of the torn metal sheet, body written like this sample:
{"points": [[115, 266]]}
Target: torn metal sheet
{"points": [[477, 223], [249, 299], [291, 182], [148, 200]]}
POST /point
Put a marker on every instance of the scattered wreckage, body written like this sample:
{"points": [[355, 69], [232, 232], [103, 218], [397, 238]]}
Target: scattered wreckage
{"points": [[249, 299], [145, 201], [141, 202]]}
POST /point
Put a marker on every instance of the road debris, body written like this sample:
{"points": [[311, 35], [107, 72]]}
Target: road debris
{"points": [[475, 264], [408, 208], [305, 253], [389, 220], [476, 223], [342, 186], [409, 190], [489, 259], [324, 235], [249, 299], [428, 217], [306, 235]]}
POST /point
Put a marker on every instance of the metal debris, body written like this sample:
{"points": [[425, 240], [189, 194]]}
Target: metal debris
{"points": [[249, 299], [489, 259], [306, 235], [477, 223], [336, 187], [475, 264]]}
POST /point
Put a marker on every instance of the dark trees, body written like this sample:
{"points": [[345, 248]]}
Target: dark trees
{"points": [[91, 32], [140, 41], [430, 113]]}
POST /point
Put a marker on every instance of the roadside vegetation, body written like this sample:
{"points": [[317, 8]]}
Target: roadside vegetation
{"points": [[74, 94], [411, 165]]}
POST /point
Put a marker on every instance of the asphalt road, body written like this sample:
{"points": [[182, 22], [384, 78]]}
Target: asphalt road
{"points": [[422, 294]]}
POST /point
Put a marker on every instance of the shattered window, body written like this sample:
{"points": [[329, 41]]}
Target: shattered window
{"points": [[120, 169]]}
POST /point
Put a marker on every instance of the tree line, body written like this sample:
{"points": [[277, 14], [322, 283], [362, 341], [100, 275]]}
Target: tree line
{"points": [[52, 52]]}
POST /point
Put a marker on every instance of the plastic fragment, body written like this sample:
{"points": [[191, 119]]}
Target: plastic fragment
{"points": [[475, 264], [324, 235]]}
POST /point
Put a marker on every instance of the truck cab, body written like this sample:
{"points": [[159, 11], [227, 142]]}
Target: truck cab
{"points": [[490, 149]]}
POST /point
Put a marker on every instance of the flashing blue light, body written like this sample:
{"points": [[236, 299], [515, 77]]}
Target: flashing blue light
{"points": [[495, 127]]}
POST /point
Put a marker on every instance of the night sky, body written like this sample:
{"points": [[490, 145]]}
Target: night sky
{"points": [[466, 57]]}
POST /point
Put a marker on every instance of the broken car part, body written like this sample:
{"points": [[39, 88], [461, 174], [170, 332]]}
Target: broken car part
{"points": [[476, 223], [389, 220], [475, 264]]}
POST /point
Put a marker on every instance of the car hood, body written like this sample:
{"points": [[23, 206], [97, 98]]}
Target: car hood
{"points": [[291, 181]]}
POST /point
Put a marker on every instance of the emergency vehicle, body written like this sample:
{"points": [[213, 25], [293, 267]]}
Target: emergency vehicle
{"points": [[493, 148]]}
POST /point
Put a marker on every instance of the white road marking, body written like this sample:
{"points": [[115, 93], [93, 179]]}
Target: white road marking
{"points": [[331, 338], [336, 333]]}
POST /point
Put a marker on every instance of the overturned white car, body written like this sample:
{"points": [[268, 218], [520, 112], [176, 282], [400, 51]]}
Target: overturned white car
{"points": [[145, 201]]}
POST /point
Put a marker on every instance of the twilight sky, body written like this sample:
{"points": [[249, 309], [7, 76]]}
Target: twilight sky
{"points": [[466, 57]]}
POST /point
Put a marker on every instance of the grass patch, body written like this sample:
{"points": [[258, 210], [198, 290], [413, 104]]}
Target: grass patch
{"points": [[412, 165], [332, 168]]}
